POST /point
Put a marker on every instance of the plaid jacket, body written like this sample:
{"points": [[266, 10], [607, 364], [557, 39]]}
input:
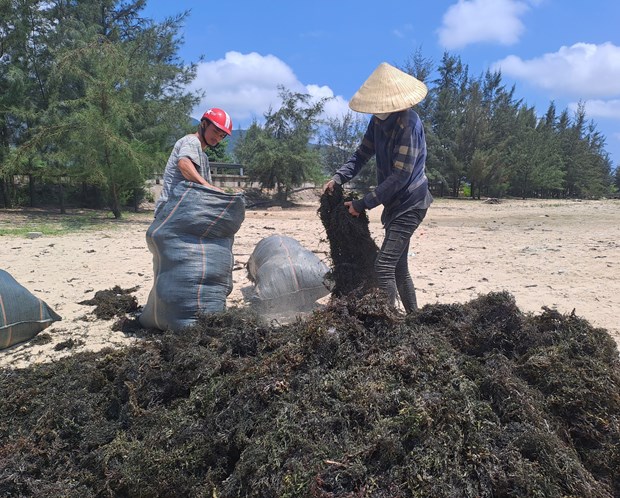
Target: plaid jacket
{"points": [[399, 145]]}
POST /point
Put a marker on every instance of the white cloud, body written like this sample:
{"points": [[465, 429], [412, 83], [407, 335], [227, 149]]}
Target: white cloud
{"points": [[336, 107], [476, 21], [583, 70], [599, 108], [404, 31], [246, 86], [603, 109]]}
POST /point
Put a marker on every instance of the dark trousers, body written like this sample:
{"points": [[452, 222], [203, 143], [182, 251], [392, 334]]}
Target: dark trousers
{"points": [[391, 264]]}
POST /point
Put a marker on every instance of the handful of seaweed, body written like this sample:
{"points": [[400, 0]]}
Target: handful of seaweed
{"points": [[352, 249], [467, 400]]}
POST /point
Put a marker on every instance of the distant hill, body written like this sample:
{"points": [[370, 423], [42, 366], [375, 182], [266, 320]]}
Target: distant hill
{"points": [[232, 140]]}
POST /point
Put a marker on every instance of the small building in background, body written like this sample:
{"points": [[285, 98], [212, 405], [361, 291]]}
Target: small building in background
{"points": [[223, 175], [228, 175]]}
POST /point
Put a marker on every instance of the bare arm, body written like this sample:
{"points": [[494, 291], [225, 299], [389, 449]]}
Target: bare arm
{"points": [[189, 172]]}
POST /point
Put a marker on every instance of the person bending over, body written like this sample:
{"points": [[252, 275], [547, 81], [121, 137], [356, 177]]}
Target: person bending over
{"points": [[188, 160]]}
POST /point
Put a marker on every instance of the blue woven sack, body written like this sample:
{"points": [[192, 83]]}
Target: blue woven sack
{"points": [[191, 241], [22, 314]]}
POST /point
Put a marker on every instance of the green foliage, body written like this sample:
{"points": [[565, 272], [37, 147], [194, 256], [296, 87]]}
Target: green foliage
{"points": [[278, 155], [616, 179], [339, 140], [50, 224], [219, 152], [477, 132], [100, 121], [96, 93]]}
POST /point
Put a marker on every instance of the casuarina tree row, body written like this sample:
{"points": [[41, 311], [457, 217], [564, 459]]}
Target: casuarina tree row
{"points": [[93, 95]]}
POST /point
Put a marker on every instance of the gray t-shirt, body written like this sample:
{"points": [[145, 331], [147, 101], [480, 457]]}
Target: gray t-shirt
{"points": [[188, 146]]}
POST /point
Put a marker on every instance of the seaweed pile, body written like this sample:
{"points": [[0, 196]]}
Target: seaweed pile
{"points": [[114, 302], [352, 249], [467, 400], [355, 400]]}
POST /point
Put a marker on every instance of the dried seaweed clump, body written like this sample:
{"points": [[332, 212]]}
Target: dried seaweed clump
{"points": [[114, 302], [352, 249], [471, 400]]}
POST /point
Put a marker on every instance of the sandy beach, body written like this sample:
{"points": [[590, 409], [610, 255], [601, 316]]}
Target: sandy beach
{"points": [[560, 254]]}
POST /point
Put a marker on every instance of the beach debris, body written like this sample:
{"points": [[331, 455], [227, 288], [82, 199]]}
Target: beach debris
{"points": [[114, 302]]}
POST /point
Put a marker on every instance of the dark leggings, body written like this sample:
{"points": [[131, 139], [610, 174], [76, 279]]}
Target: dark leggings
{"points": [[391, 264]]}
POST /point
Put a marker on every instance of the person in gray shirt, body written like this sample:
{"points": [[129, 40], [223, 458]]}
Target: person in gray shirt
{"points": [[188, 160]]}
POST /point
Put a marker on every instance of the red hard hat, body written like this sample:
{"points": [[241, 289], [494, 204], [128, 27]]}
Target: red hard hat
{"points": [[219, 118]]}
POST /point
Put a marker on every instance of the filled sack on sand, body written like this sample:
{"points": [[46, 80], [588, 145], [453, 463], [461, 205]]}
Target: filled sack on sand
{"points": [[22, 314], [287, 277], [191, 241]]}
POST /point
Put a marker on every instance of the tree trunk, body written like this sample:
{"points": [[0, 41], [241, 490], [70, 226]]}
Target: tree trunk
{"points": [[9, 191], [61, 198], [31, 189], [524, 187], [115, 205], [280, 193], [5, 200]]}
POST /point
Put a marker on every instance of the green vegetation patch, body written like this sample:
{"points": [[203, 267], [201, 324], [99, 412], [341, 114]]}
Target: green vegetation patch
{"points": [[21, 223]]}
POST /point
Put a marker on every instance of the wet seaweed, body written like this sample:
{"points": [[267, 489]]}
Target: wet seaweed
{"points": [[355, 399], [468, 400], [111, 303], [352, 249]]}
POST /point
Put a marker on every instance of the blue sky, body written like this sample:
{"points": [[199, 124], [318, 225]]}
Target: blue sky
{"points": [[564, 51]]}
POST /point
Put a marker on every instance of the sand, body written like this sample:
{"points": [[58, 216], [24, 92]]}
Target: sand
{"points": [[559, 254]]}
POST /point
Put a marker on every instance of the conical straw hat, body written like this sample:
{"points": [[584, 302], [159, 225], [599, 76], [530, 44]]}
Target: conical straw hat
{"points": [[388, 89]]}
